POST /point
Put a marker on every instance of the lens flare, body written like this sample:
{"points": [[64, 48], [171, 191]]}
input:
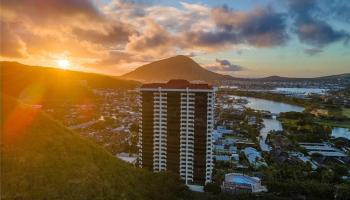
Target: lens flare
{"points": [[18, 118]]}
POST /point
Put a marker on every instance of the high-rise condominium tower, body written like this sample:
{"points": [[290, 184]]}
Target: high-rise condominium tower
{"points": [[176, 129]]}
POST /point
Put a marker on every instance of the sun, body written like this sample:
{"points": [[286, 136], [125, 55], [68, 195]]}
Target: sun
{"points": [[63, 63]]}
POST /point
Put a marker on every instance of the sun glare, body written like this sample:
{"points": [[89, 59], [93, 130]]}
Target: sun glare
{"points": [[63, 63]]}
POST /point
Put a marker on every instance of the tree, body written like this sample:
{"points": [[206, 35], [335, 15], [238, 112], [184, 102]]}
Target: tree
{"points": [[212, 188], [342, 192]]}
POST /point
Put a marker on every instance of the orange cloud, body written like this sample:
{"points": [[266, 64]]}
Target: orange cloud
{"points": [[11, 44], [119, 35]]}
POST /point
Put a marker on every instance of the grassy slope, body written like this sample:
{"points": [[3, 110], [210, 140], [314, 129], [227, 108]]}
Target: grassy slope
{"points": [[346, 111], [41, 159], [345, 124]]}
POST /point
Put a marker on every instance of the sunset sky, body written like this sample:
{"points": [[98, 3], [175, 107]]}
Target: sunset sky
{"points": [[243, 38]]}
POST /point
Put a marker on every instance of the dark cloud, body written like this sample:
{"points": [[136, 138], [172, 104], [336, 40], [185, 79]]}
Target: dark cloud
{"points": [[309, 28], [149, 41], [313, 51], [44, 10], [211, 38], [301, 7], [338, 9], [118, 33], [319, 34], [260, 27], [224, 66], [154, 41]]}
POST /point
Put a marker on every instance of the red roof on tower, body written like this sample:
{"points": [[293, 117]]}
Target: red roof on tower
{"points": [[178, 84]]}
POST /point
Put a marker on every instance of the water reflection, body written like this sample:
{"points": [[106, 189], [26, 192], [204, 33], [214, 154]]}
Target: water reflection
{"points": [[341, 132], [300, 91], [273, 124], [272, 106], [270, 124]]}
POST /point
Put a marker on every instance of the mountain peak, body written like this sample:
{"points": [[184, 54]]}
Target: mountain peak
{"points": [[177, 67], [180, 57]]}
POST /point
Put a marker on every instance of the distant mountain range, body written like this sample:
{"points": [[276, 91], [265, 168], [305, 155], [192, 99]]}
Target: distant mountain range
{"points": [[321, 78], [60, 83], [183, 67]]}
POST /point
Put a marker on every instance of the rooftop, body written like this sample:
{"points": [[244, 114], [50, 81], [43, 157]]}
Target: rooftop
{"points": [[241, 179], [323, 149], [178, 84]]}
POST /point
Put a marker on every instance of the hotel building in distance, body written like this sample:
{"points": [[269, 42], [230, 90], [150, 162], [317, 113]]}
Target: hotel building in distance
{"points": [[176, 129]]}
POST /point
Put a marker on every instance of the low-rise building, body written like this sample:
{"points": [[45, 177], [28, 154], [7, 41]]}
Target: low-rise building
{"points": [[254, 157], [235, 182], [233, 158], [305, 159], [224, 149], [129, 158], [323, 149], [220, 131], [224, 158]]}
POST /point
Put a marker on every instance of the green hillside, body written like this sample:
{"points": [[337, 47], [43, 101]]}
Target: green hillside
{"points": [[41, 159], [50, 85]]}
